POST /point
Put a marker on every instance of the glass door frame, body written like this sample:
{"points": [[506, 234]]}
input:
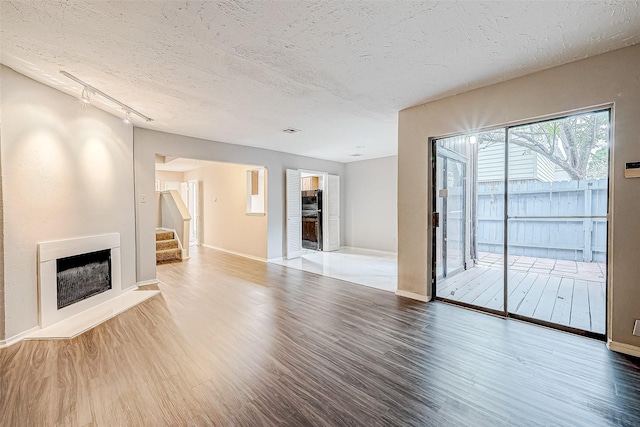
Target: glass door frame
{"points": [[505, 312], [447, 156]]}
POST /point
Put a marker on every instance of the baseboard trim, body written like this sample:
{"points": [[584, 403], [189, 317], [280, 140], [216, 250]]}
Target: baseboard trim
{"points": [[147, 282], [631, 350], [380, 251], [412, 295], [235, 253], [17, 338]]}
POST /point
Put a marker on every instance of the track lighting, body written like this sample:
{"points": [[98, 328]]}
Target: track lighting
{"points": [[90, 91]]}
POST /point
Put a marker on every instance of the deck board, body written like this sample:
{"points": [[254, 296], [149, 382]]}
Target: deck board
{"points": [[449, 284], [567, 301], [580, 314], [519, 292], [562, 310], [548, 299], [597, 309], [531, 299], [479, 285]]}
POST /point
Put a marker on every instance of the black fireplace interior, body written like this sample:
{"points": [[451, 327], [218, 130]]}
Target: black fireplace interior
{"points": [[82, 276]]}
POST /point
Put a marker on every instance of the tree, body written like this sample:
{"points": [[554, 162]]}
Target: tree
{"points": [[578, 144]]}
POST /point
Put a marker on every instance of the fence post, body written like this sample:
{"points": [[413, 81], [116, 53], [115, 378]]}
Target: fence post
{"points": [[587, 253]]}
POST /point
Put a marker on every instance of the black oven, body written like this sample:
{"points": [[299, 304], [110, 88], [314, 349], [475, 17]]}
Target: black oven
{"points": [[312, 219]]}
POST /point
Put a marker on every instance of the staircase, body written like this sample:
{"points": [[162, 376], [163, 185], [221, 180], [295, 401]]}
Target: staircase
{"points": [[167, 247]]}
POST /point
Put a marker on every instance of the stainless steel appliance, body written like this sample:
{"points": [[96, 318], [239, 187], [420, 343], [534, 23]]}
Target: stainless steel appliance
{"points": [[312, 219]]}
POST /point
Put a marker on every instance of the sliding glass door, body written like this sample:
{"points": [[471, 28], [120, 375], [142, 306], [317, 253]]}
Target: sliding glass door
{"points": [[523, 221], [452, 232], [469, 266]]}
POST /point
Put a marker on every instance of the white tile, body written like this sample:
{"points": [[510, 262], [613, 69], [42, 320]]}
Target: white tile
{"points": [[366, 267]]}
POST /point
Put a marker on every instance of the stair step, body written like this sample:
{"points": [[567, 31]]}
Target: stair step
{"points": [[168, 255], [164, 235], [166, 244]]}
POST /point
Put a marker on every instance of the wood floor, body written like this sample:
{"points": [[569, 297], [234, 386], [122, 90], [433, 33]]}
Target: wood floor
{"points": [[236, 342], [567, 301]]}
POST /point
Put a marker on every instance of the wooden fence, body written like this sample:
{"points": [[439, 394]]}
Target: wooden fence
{"points": [[546, 219]]}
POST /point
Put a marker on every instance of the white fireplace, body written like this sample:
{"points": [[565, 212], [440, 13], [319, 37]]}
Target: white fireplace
{"points": [[81, 260]]}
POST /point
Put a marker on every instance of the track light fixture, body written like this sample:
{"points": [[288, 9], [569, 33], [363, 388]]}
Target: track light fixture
{"points": [[86, 96], [90, 91]]}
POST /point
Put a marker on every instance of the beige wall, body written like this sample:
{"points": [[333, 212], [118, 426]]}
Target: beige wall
{"points": [[164, 176], [2, 310], [148, 143], [371, 219], [67, 172], [224, 223], [612, 78]]}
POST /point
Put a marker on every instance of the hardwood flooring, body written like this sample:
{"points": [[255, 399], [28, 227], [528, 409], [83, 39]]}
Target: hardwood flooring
{"points": [[236, 342], [566, 301]]}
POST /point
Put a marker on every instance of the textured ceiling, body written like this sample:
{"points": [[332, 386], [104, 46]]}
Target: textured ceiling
{"points": [[242, 71]]}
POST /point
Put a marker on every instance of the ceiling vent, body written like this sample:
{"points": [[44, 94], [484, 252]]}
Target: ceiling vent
{"points": [[291, 130]]}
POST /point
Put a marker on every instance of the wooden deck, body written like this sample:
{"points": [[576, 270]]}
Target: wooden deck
{"points": [[568, 299]]}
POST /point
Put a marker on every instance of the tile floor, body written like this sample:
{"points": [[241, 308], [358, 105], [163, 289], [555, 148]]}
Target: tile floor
{"points": [[366, 267]]}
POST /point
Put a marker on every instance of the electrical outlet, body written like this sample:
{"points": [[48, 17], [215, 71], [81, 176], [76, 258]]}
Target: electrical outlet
{"points": [[636, 328]]}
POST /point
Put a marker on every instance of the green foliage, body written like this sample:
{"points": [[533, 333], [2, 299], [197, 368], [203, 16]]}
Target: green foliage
{"points": [[598, 164], [578, 144]]}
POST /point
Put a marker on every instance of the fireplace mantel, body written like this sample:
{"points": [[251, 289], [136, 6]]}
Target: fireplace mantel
{"points": [[49, 252]]}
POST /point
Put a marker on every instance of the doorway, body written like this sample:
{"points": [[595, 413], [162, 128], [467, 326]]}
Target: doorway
{"points": [[312, 203], [522, 228], [192, 206]]}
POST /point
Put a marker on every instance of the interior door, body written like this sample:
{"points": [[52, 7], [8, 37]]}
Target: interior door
{"points": [[294, 213], [192, 205], [332, 194]]}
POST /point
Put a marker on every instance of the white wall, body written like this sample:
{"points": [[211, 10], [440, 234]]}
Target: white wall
{"points": [[223, 204], [148, 143], [611, 78], [66, 172], [371, 219]]}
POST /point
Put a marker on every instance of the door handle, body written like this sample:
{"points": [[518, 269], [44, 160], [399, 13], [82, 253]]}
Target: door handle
{"points": [[435, 219]]}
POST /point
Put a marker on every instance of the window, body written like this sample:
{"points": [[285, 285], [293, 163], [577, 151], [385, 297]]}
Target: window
{"points": [[255, 192]]}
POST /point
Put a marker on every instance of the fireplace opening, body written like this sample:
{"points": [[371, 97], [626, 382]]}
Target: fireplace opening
{"points": [[82, 276]]}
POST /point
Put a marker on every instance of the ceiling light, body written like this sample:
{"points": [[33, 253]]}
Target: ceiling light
{"points": [[89, 91], [127, 118], [86, 96]]}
